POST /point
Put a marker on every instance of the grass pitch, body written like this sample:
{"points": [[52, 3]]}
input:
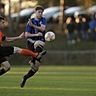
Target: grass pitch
{"points": [[51, 81]]}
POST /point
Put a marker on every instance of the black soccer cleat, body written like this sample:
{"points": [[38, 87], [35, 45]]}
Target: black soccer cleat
{"points": [[40, 55], [23, 82]]}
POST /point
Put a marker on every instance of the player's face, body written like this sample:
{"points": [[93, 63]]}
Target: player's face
{"points": [[2, 24], [39, 13]]}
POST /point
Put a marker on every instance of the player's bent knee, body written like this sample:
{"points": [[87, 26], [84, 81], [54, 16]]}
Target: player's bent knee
{"points": [[39, 45], [6, 65]]}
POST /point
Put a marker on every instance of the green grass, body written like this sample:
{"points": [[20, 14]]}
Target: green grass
{"points": [[51, 81]]}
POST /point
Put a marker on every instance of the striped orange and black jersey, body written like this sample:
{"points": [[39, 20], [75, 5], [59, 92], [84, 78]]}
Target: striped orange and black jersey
{"points": [[2, 37]]}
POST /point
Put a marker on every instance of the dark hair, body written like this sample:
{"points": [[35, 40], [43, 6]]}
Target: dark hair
{"points": [[1, 18], [39, 8]]}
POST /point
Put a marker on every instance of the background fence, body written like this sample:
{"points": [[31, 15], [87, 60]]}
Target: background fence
{"points": [[87, 57]]}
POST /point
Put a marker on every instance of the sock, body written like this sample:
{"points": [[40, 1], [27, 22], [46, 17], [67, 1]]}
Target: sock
{"points": [[27, 52], [2, 71], [29, 74]]}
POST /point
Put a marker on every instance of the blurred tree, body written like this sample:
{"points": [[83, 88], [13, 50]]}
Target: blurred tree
{"points": [[9, 17], [47, 3], [70, 2], [61, 17], [86, 3], [18, 18]]}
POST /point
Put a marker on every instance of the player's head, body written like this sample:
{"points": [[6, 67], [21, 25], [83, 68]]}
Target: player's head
{"points": [[2, 21], [39, 11]]}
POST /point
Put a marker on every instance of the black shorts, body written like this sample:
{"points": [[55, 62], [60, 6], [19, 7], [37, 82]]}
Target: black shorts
{"points": [[30, 46], [6, 51], [2, 59]]}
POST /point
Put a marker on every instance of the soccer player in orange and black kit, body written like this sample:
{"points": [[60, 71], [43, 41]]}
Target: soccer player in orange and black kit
{"points": [[6, 51]]}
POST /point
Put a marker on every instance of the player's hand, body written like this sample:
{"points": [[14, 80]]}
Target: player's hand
{"points": [[30, 23], [39, 34]]}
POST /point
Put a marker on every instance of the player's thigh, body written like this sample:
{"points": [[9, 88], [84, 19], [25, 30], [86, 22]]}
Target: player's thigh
{"points": [[6, 51], [30, 45], [39, 45]]}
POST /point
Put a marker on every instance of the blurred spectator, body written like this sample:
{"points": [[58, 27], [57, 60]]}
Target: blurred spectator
{"points": [[84, 28], [78, 28], [92, 26], [70, 28]]}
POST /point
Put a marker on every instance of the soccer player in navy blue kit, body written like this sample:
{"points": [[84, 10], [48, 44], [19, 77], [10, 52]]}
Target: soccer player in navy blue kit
{"points": [[35, 31]]}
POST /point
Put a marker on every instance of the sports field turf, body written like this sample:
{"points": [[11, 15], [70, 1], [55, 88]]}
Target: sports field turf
{"points": [[51, 81]]}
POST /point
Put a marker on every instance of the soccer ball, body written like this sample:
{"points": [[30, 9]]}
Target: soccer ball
{"points": [[49, 36]]}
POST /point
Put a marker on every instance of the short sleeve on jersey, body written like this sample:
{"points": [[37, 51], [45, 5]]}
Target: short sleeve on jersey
{"points": [[2, 37]]}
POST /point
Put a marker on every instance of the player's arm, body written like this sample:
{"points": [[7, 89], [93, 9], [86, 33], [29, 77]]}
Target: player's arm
{"points": [[15, 38], [12, 38], [27, 34], [41, 28]]}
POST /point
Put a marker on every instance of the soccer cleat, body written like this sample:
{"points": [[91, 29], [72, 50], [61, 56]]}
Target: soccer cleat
{"points": [[40, 55], [23, 82]]}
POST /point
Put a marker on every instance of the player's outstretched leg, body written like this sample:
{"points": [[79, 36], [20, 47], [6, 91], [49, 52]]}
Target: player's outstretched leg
{"points": [[34, 68], [31, 72], [28, 75], [27, 52]]}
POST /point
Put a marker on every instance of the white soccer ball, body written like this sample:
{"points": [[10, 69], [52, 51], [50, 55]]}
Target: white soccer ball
{"points": [[49, 36]]}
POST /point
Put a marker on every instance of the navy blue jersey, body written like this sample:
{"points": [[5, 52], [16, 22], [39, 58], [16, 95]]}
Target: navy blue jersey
{"points": [[41, 21]]}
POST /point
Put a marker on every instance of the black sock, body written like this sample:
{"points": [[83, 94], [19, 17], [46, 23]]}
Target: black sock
{"points": [[2, 71], [29, 74]]}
